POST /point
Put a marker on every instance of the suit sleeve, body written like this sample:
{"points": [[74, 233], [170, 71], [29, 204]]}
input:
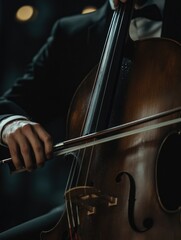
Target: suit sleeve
{"points": [[34, 94]]}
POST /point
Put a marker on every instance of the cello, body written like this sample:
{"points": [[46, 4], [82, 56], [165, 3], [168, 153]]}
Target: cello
{"points": [[120, 184], [120, 189]]}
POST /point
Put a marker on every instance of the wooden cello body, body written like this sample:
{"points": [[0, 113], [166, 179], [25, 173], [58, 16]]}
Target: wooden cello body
{"points": [[128, 188]]}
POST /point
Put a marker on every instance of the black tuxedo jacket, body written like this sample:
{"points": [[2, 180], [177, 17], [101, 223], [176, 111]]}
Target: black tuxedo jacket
{"points": [[72, 50]]}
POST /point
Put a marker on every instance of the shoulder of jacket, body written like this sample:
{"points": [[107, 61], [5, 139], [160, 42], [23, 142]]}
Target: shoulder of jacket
{"points": [[78, 22]]}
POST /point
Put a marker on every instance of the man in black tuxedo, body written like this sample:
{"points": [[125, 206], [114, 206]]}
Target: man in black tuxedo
{"points": [[53, 79], [72, 50]]}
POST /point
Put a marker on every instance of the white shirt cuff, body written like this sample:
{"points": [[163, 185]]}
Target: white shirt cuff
{"points": [[7, 120]]}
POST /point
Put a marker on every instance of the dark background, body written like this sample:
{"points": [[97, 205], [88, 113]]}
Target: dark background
{"points": [[24, 196]]}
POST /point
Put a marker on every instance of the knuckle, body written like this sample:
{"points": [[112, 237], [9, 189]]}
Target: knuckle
{"points": [[9, 139], [36, 125], [48, 139], [14, 151], [26, 127], [38, 148], [25, 149]]}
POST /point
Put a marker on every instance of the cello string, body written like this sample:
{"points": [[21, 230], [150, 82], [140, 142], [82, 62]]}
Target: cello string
{"points": [[90, 111], [86, 128], [110, 41], [68, 219], [100, 86]]}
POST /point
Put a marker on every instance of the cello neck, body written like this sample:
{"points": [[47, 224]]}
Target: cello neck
{"points": [[108, 69]]}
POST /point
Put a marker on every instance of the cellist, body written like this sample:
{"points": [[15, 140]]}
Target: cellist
{"points": [[22, 123]]}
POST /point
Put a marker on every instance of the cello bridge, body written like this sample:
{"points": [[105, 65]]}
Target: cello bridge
{"points": [[89, 198]]}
